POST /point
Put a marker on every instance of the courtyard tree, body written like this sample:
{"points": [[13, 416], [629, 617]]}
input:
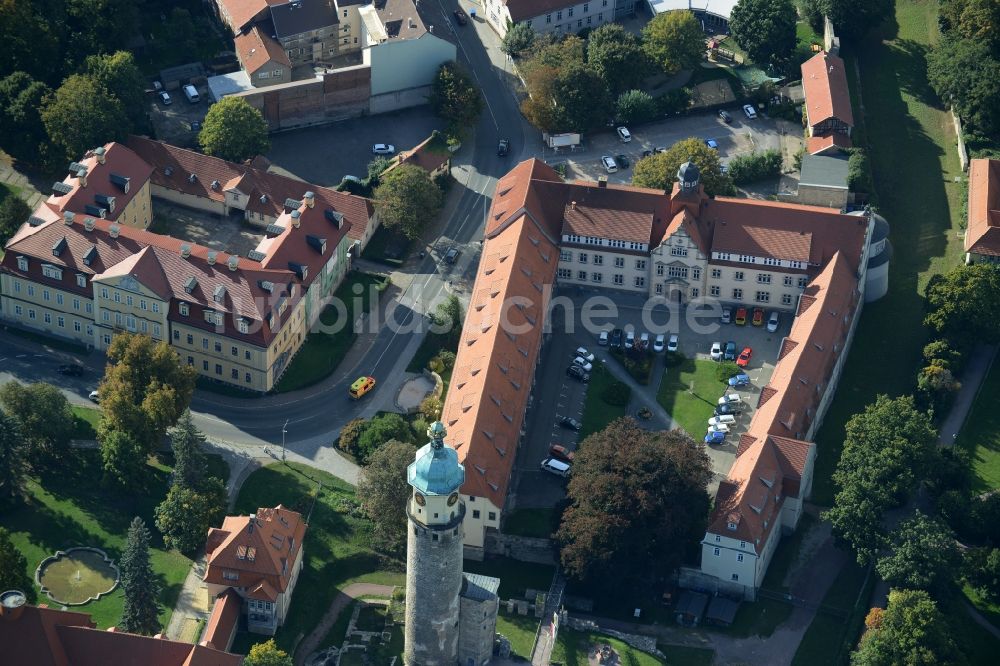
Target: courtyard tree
{"points": [[448, 319], [350, 434], [765, 29], [982, 571], [45, 418], [145, 389], [22, 131], [82, 115], [267, 654], [187, 444], [888, 449], [853, 19], [674, 41], [407, 200], [139, 584], [119, 75], [455, 98], [14, 568], [635, 106], [921, 554], [13, 213], [381, 429], [234, 130], [186, 513], [659, 171], [635, 501], [911, 630], [538, 106], [616, 55], [965, 73], [384, 492], [518, 39], [123, 459], [13, 461], [962, 303], [581, 97]]}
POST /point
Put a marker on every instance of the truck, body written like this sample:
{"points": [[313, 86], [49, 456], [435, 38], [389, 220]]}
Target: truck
{"points": [[561, 140]]}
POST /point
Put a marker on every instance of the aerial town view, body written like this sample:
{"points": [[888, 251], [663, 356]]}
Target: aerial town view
{"points": [[468, 332]]}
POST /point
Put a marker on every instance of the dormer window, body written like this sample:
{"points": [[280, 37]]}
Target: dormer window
{"points": [[183, 309], [219, 296], [731, 526], [22, 263], [243, 325]]}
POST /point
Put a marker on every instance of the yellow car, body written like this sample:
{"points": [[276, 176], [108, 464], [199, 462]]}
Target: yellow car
{"points": [[361, 386]]}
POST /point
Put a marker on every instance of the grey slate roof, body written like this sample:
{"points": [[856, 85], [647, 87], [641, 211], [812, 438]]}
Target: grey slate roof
{"points": [[479, 587], [824, 171], [301, 16]]}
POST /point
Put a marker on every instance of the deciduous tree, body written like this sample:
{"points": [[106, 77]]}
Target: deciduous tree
{"points": [[45, 418], [982, 571], [83, 115], [407, 199], [186, 513], [384, 492], [635, 106], [674, 41], [765, 29], [123, 459], [381, 429], [616, 55], [119, 75], [538, 107], [518, 39], [581, 98], [961, 303], [22, 130], [921, 554], [13, 462], [965, 73], [139, 584], [853, 19], [234, 130], [267, 654], [455, 98], [350, 434], [14, 568], [659, 171], [910, 631], [13, 213], [637, 499]]}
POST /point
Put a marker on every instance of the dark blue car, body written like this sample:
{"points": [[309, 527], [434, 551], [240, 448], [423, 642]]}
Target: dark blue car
{"points": [[730, 352], [715, 438], [736, 381]]}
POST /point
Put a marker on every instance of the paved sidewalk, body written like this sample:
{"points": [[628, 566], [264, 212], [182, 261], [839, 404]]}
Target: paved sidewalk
{"points": [[27, 191], [340, 602], [640, 398], [192, 602], [976, 368]]}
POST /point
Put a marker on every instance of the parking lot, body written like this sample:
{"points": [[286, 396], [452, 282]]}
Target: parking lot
{"points": [[740, 137], [172, 122], [564, 396]]}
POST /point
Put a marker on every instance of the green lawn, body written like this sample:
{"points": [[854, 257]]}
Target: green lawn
{"points": [[337, 545], [975, 642], [72, 508], [515, 577], [838, 624], [321, 353], [597, 414], [519, 630], [85, 420], [914, 162], [383, 239], [530, 523], [573, 647], [689, 392], [679, 655], [982, 440]]}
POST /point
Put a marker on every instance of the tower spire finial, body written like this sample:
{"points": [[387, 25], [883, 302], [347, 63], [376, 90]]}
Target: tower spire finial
{"points": [[436, 433]]}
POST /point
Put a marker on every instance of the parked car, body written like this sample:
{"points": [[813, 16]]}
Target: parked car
{"points": [[715, 438], [165, 98], [624, 134], [191, 93], [583, 363], [728, 410], [570, 423], [658, 343], [451, 255], [739, 381], [195, 126], [730, 353], [623, 162], [383, 149], [70, 370], [503, 147], [602, 339], [557, 467], [718, 427], [726, 118], [741, 316], [609, 164], [727, 315], [712, 143], [95, 396], [616, 338], [772, 322], [750, 112], [744, 358], [460, 17], [578, 373], [716, 352], [583, 353], [758, 316], [672, 344], [644, 341], [629, 339], [560, 452], [730, 399], [647, 153], [728, 419]]}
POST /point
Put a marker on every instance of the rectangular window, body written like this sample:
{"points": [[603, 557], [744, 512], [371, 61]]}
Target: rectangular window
{"points": [[678, 272], [764, 278], [738, 294], [597, 277], [695, 292], [475, 514], [204, 366], [218, 368], [89, 307], [786, 299], [90, 329], [640, 281], [204, 343], [156, 307], [492, 515], [739, 557], [249, 379], [45, 295], [548, 19], [118, 318], [619, 262], [177, 334], [679, 251], [716, 552], [142, 304], [128, 300], [59, 299], [713, 290], [659, 269], [582, 257], [31, 290], [31, 313], [569, 12], [105, 315], [696, 273], [118, 297], [81, 280], [51, 272], [76, 303], [104, 292], [659, 288], [581, 275], [564, 274], [619, 279], [243, 327], [788, 281], [235, 374], [802, 282], [17, 310], [736, 576], [17, 286], [143, 325], [565, 255], [182, 308], [22, 263], [156, 330], [247, 355], [640, 264], [61, 322], [48, 318], [235, 351], [738, 276], [598, 259], [763, 297], [76, 326]]}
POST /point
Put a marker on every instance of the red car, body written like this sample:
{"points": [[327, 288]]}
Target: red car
{"points": [[741, 317], [560, 452], [744, 358], [758, 316]]}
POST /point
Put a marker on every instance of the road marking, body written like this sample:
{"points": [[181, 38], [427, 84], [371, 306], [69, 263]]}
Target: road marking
{"points": [[22, 356]]}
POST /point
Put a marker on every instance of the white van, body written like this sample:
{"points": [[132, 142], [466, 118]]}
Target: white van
{"points": [[191, 93], [557, 467]]}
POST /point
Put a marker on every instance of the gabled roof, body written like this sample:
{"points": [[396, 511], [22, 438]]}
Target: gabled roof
{"points": [[242, 12], [829, 144], [298, 16], [430, 154], [824, 81], [261, 548], [256, 49], [982, 235], [223, 619], [122, 170]]}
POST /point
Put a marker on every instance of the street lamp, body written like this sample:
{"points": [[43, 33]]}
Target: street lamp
{"points": [[284, 429]]}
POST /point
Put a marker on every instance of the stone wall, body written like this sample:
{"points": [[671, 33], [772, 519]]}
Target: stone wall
{"points": [[521, 548], [645, 643], [337, 95]]}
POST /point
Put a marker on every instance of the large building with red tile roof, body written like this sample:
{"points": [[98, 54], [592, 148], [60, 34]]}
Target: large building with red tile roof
{"points": [[84, 272], [682, 247], [829, 117], [43, 636], [982, 234], [258, 557]]}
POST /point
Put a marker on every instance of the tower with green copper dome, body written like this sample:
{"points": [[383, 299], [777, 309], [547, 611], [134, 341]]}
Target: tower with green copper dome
{"points": [[434, 578]]}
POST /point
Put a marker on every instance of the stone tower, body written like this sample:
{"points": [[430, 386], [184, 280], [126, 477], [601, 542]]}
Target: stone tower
{"points": [[435, 515]]}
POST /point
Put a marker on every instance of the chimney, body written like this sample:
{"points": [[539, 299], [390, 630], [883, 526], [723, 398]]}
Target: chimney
{"points": [[233, 263], [11, 605], [572, 205], [68, 218], [296, 221], [211, 257], [113, 230], [253, 519], [602, 181], [82, 176], [88, 223], [185, 250], [310, 199], [99, 154]]}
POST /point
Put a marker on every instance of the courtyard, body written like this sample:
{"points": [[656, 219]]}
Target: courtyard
{"points": [[225, 233]]}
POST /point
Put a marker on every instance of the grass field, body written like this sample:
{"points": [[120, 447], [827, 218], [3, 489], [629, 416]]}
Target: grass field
{"points": [[597, 414], [515, 577], [573, 648], [691, 408], [85, 420], [530, 523], [837, 625], [337, 547], [914, 162], [982, 440], [519, 630], [321, 353], [72, 508]]}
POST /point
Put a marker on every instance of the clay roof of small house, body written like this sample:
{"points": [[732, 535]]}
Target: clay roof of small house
{"points": [[256, 49], [260, 548], [824, 81], [982, 235]]}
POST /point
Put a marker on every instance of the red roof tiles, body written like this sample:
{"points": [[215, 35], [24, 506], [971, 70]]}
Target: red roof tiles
{"points": [[829, 144], [121, 170], [824, 82], [982, 235], [255, 50]]}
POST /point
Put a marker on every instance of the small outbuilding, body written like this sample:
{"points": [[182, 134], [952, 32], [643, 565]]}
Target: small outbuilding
{"points": [[690, 608], [721, 611]]}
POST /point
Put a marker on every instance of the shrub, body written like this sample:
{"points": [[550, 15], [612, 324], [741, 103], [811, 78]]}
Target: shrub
{"points": [[858, 173], [617, 394], [725, 370], [430, 407], [674, 102], [350, 434], [447, 359], [635, 106], [755, 166]]}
